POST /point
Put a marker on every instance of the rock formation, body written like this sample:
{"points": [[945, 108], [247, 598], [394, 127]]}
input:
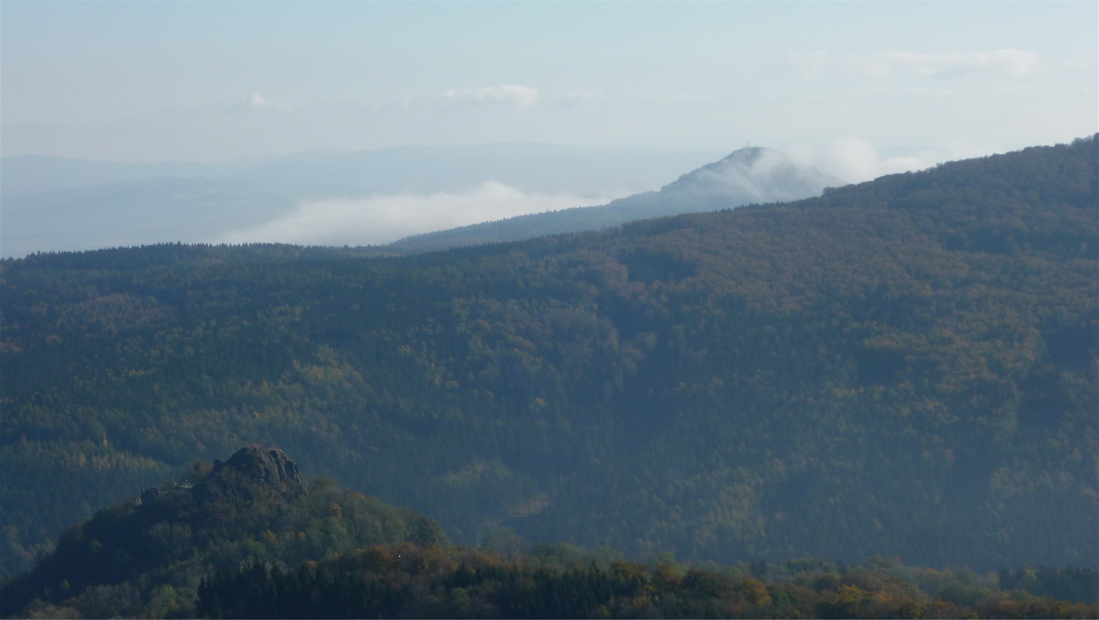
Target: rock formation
{"points": [[251, 473]]}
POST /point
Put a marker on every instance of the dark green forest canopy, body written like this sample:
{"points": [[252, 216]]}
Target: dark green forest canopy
{"points": [[147, 556], [249, 538], [905, 367], [411, 581]]}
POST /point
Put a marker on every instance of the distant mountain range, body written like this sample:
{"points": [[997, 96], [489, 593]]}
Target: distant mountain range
{"points": [[59, 204], [64, 204], [747, 176]]}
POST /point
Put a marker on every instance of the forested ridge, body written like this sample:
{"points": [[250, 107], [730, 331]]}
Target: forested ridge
{"points": [[905, 367], [249, 538], [148, 556]]}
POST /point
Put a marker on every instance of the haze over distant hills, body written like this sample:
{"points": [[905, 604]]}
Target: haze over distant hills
{"points": [[374, 197], [747, 176], [62, 204]]}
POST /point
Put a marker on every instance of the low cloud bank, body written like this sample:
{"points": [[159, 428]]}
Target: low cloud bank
{"points": [[385, 218], [522, 96], [855, 160]]}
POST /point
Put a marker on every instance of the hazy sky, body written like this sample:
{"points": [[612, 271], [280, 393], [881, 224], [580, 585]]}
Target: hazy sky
{"points": [[214, 81]]}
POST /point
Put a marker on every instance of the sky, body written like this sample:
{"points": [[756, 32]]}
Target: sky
{"points": [[857, 89], [215, 81]]}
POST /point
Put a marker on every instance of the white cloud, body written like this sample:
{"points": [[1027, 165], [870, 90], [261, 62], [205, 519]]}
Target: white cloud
{"points": [[259, 101], [885, 65], [385, 218], [856, 160], [931, 92], [582, 97], [809, 64], [1009, 61], [521, 96]]}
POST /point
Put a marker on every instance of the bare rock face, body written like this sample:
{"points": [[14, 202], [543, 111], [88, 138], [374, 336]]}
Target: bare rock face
{"points": [[253, 472]]}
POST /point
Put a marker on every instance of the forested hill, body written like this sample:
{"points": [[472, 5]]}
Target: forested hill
{"points": [[904, 367], [147, 556], [249, 538]]}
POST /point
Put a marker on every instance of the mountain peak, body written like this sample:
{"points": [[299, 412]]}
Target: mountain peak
{"points": [[752, 174], [252, 470], [748, 153]]}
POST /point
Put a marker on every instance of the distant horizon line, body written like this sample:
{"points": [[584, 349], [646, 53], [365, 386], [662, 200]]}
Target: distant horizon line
{"points": [[892, 149], [453, 145]]}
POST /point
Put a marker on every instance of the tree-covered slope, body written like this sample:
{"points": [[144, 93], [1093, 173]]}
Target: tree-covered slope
{"points": [[248, 538], [559, 581], [905, 367], [148, 556]]}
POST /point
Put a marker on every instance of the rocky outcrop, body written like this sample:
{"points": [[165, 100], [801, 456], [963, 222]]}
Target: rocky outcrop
{"points": [[253, 472]]}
